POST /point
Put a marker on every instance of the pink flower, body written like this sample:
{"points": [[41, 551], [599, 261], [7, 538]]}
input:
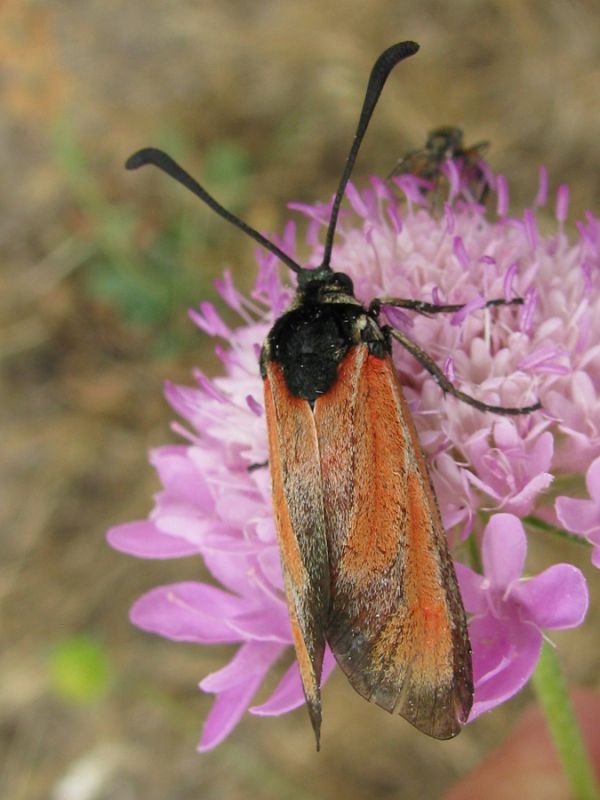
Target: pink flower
{"points": [[515, 469], [583, 516], [510, 611], [211, 505]]}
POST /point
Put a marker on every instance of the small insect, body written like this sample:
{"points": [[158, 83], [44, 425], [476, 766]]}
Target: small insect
{"points": [[363, 551], [444, 144]]}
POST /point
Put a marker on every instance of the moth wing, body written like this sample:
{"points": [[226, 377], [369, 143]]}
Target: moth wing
{"points": [[397, 626], [417, 162], [300, 524]]}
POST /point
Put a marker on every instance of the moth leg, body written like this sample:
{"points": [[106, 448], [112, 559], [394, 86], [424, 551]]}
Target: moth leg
{"points": [[447, 386], [260, 465], [421, 307]]}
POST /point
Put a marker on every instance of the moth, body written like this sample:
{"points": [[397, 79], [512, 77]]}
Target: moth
{"points": [[364, 556]]}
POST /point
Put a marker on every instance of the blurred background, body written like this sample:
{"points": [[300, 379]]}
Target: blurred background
{"points": [[259, 99]]}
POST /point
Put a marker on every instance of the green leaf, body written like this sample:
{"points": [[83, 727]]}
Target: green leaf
{"points": [[79, 669]]}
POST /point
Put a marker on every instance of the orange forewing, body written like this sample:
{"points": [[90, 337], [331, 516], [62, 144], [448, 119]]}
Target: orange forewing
{"points": [[396, 625], [300, 524]]}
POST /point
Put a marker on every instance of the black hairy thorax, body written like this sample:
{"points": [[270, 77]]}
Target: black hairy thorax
{"points": [[310, 340]]}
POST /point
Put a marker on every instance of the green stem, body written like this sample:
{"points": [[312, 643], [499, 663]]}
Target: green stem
{"points": [[541, 525], [475, 554], [554, 699]]}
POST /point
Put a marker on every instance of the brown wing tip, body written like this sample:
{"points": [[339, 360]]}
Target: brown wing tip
{"points": [[314, 712], [440, 713]]}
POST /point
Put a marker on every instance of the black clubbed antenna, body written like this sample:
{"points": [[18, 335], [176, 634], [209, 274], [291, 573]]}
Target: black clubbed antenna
{"points": [[379, 74], [150, 155]]}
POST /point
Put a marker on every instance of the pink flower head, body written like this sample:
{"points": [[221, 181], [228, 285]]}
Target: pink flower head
{"points": [[583, 516], [510, 611], [391, 244]]}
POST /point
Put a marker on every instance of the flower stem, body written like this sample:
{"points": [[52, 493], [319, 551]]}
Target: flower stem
{"points": [[542, 525], [554, 699], [474, 554]]}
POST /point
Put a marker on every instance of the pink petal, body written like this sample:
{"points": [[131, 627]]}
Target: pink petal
{"points": [[233, 571], [239, 509], [530, 225], [181, 477], [252, 658], [504, 549], [504, 658], [270, 626], [556, 598], [355, 198], [472, 589], [270, 564], [209, 320], [187, 612], [229, 544], [288, 693], [458, 247], [542, 194], [473, 305], [592, 480], [578, 516], [502, 201], [521, 502], [236, 684], [287, 696], [227, 710], [142, 539], [482, 485], [562, 202], [176, 521]]}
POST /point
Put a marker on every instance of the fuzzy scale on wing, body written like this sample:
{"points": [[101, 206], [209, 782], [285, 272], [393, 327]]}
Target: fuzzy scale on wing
{"points": [[299, 518], [397, 625]]}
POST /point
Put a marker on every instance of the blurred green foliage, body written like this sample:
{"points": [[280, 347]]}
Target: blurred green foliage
{"points": [[151, 266], [79, 669]]}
